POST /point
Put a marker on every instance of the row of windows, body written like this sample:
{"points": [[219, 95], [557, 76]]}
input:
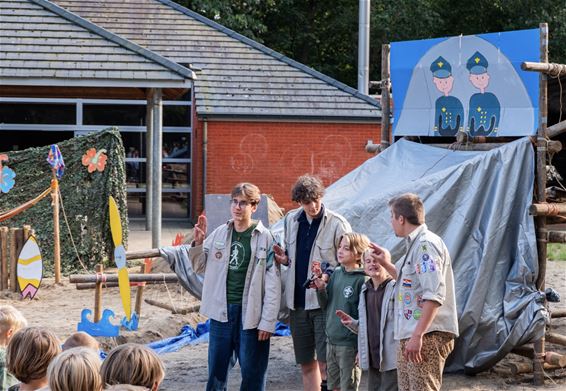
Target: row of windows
{"points": [[93, 114]]}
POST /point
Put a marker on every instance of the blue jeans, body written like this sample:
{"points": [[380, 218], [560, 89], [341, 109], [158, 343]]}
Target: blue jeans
{"points": [[229, 342]]}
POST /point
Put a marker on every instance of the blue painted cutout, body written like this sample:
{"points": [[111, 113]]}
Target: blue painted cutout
{"points": [[100, 329], [132, 325]]}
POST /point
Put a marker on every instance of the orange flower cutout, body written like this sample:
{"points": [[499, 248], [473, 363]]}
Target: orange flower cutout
{"points": [[95, 160]]}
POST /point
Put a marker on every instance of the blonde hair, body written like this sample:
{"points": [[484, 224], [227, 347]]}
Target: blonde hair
{"points": [[358, 244], [126, 387], [11, 318], [75, 369], [29, 353], [132, 364], [80, 339], [248, 190]]}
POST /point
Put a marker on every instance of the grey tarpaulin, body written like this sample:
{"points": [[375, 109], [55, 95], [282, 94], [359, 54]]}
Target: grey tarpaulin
{"points": [[178, 259], [478, 203]]}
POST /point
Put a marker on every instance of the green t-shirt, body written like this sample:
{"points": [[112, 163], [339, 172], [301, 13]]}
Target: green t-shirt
{"points": [[6, 378], [240, 253]]}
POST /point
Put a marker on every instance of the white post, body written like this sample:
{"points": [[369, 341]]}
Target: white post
{"points": [[157, 147], [363, 47]]}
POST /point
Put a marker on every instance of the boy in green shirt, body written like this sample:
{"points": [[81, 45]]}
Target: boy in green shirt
{"points": [[341, 296], [11, 320]]}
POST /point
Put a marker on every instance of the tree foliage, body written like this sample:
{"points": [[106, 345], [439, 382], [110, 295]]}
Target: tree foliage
{"points": [[324, 34]]}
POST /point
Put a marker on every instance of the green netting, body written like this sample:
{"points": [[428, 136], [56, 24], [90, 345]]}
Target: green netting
{"points": [[84, 196]]}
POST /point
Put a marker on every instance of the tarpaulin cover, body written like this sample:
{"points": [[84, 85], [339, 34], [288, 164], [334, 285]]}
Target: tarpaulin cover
{"points": [[478, 203], [190, 336]]}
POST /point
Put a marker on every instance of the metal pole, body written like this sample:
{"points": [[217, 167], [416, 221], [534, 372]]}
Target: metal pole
{"points": [[148, 157], [542, 234], [363, 46], [157, 147]]}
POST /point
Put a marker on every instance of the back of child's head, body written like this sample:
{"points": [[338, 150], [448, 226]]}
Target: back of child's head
{"points": [[75, 369], [11, 319], [30, 351], [358, 244], [133, 364], [80, 339], [126, 387]]}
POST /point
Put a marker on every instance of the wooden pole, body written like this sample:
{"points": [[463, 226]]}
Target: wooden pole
{"points": [[4, 258], [98, 293], [541, 232], [556, 129], [92, 285], [27, 232], [545, 209], [56, 242], [157, 277], [558, 314], [182, 311], [13, 259], [146, 269], [557, 237], [153, 253], [543, 67], [556, 338], [385, 99]]}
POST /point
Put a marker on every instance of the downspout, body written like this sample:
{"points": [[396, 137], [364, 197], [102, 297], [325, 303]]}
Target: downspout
{"points": [[204, 157], [363, 47]]}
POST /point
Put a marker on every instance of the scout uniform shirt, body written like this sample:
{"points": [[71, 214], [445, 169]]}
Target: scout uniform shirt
{"points": [[425, 274]]}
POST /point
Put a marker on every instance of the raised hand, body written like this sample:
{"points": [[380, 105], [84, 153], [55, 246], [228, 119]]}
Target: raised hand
{"points": [[381, 254], [200, 230], [280, 256]]}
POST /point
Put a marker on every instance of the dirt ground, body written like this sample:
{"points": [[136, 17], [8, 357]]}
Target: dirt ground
{"points": [[59, 307]]}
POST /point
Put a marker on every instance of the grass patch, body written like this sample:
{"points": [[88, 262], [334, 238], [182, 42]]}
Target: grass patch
{"points": [[556, 251]]}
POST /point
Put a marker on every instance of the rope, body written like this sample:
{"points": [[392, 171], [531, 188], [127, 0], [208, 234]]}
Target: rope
{"points": [[169, 294], [70, 234], [26, 205]]}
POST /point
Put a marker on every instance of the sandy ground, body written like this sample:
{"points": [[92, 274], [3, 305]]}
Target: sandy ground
{"points": [[59, 307]]}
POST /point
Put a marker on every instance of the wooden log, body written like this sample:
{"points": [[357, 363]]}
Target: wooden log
{"points": [[556, 129], [92, 285], [3, 258], [56, 242], [556, 338], [543, 67], [554, 358], [518, 368], [556, 237], [385, 98], [547, 209], [13, 259], [558, 314], [182, 311], [525, 351], [146, 269], [152, 253], [27, 232], [98, 294], [158, 277]]}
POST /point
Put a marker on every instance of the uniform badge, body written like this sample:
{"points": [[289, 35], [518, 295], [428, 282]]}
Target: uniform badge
{"points": [[417, 314], [407, 298], [218, 255], [407, 314], [348, 292], [407, 283], [420, 301]]}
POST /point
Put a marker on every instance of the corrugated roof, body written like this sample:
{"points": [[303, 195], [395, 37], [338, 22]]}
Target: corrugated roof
{"points": [[44, 44], [238, 77]]}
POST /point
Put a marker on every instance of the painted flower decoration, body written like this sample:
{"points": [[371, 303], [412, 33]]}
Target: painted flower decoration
{"points": [[7, 179], [95, 160]]}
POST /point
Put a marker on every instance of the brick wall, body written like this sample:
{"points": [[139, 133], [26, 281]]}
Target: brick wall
{"points": [[272, 155]]}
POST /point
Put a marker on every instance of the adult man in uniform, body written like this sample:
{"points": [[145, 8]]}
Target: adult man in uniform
{"points": [[312, 233], [426, 319], [449, 112], [483, 118]]}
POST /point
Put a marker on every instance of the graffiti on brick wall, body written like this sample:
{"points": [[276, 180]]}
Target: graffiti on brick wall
{"points": [[252, 150]]}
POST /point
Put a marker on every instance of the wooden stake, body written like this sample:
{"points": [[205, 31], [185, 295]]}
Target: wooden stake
{"points": [[146, 269], [56, 243], [556, 338], [27, 232], [98, 293], [385, 105], [153, 253], [182, 311], [157, 277], [3, 258], [13, 259]]}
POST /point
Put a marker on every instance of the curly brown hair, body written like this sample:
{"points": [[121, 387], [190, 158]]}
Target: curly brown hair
{"points": [[307, 188]]}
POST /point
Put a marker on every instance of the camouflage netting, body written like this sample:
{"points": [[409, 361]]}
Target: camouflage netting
{"points": [[85, 199]]}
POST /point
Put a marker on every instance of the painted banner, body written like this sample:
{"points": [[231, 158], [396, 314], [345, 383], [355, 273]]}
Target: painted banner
{"points": [[471, 84]]}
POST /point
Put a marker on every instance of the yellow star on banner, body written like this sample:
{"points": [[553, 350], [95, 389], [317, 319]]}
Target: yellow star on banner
{"points": [[440, 64], [477, 60], [479, 109], [443, 109]]}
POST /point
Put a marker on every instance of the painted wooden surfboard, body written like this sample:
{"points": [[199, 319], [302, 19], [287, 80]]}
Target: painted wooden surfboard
{"points": [[29, 268]]}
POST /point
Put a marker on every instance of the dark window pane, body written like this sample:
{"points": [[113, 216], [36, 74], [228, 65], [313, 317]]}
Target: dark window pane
{"points": [[175, 175], [136, 205], [114, 115], [134, 143], [18, 140], [176, 115], [38, 113], [175, 205], [176, 145]]}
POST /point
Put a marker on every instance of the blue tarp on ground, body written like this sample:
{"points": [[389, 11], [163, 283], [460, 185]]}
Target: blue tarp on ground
{"points": [[190, 336]]}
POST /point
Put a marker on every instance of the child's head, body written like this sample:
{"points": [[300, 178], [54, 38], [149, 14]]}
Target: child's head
{"points": [[133, 364], [352, 247], [29, 353], [11, 320], [80, 339], [372, 268], [126, 387], [75, 369]]}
